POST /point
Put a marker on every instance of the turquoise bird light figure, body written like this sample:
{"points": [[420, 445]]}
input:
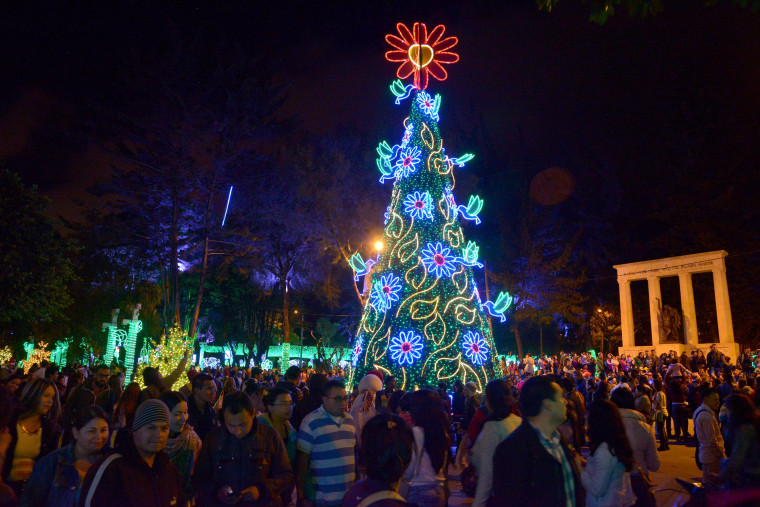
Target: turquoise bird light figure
{"points": [[497, 309]]}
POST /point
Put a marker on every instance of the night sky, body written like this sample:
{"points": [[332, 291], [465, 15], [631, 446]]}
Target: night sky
{"points": [[633, 99]]}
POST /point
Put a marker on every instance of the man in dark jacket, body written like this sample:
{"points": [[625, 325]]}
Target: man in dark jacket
{"points": [[200, 410], [94, 391], [291, 381], [243, 460], [139, 473], [534, 464]]}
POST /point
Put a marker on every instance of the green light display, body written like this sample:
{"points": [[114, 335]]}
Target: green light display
{"points": [[433, 327]]}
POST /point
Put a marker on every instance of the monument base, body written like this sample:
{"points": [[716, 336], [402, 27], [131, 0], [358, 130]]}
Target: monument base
{"points": [[729, 349]]}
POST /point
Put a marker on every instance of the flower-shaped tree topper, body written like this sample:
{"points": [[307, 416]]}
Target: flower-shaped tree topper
{"points": [[421, 53]]}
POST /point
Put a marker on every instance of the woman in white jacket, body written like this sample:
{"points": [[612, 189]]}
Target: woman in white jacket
{"points": [[606, 478], [502, 422]]}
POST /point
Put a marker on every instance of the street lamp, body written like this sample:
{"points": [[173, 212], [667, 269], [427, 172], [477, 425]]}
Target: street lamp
{"points": [[378, 245]]}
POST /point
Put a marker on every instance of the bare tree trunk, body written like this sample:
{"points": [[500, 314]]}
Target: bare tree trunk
{"points": [[204, 265], [285, 310], [518, 340], [541, 335], [175, 256], [165, 291]]}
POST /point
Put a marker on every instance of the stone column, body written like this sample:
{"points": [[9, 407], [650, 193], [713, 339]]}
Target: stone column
{"points": [[655, 299], [626, 313], [722, 305], [689, 312]]}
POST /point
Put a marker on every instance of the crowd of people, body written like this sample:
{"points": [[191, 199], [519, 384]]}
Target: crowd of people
{"points": [[567, 430]]}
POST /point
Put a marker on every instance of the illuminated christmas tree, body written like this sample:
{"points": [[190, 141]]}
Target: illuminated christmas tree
{"points": [[166, 355], [6, 354], [35, 355], [424, 320]]}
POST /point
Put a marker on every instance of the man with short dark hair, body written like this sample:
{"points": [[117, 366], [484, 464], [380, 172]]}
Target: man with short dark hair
{"points": [[93, 391], [714, 359], [326, 443], [534, 464], [200, 410], [382, 396], [707, 429], [243, 461], [291, 381]]}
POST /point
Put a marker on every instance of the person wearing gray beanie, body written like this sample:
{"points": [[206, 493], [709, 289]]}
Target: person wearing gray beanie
{"points": [[150, 411], [138, 473]]}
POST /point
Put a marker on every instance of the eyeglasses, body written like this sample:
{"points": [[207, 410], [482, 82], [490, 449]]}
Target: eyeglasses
{"points": [[339, 399]]}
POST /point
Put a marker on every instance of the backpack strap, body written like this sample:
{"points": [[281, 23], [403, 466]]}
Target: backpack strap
{"points": [[98, 476], [376, 497]]}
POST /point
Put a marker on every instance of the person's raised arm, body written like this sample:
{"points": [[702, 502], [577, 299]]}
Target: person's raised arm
{"points": [[174, 376]]}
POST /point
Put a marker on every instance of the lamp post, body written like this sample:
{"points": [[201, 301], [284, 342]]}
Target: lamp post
{"points": [[301, 355]]}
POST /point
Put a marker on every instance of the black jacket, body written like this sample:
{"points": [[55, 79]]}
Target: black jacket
{"points": [[258, 459], [526, 474], [127, 481], [202, 422]]}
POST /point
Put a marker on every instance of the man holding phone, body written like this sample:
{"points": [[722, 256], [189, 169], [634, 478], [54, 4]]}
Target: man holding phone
{"points": [[243, 461]]}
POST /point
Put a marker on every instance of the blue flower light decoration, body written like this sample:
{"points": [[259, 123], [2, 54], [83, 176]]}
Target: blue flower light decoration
{"points": [[407, 161], [428, 104], [407, 135], [438, 259], [475, 347], [385, 292], [358, 347], [406, 347], [419, 205]]}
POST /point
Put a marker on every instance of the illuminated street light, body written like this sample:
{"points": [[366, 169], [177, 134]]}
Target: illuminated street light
{"points": [[378, 245]]}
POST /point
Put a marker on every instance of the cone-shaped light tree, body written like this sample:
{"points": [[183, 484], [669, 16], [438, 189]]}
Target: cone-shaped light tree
{"points": [[423, 319]]}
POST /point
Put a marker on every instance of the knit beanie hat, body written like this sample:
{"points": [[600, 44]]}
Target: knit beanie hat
{"points": [[150, 411], [370, 382]]}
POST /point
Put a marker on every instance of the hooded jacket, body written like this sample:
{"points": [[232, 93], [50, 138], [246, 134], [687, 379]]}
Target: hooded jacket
{"points": [[124, 479]]}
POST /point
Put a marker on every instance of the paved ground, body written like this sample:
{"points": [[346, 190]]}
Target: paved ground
{"points": [[678, 462]]}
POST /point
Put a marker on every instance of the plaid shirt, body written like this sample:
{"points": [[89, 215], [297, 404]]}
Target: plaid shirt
{"points": [[554, 447]]}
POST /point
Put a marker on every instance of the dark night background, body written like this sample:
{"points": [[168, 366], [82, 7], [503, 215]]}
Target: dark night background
{"points": [[649, 125]]}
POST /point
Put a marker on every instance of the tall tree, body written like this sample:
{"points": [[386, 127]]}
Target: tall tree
{"points": [[37, 268]]}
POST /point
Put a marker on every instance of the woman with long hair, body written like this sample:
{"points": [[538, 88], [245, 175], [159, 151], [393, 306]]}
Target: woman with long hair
{"points": [[183, 445], [384, 454], [228, 387], [742, 469], [312, 401], [124, 411], [34, 431], [501, 423], [606, 477], [57, 478], [426, 474]]}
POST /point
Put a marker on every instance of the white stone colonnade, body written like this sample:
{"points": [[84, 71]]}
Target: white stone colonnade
{"points": [[684, 266]]}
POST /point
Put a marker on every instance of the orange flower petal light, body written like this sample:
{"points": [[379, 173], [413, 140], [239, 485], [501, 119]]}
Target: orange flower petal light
{"points": [[420, 53]]}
